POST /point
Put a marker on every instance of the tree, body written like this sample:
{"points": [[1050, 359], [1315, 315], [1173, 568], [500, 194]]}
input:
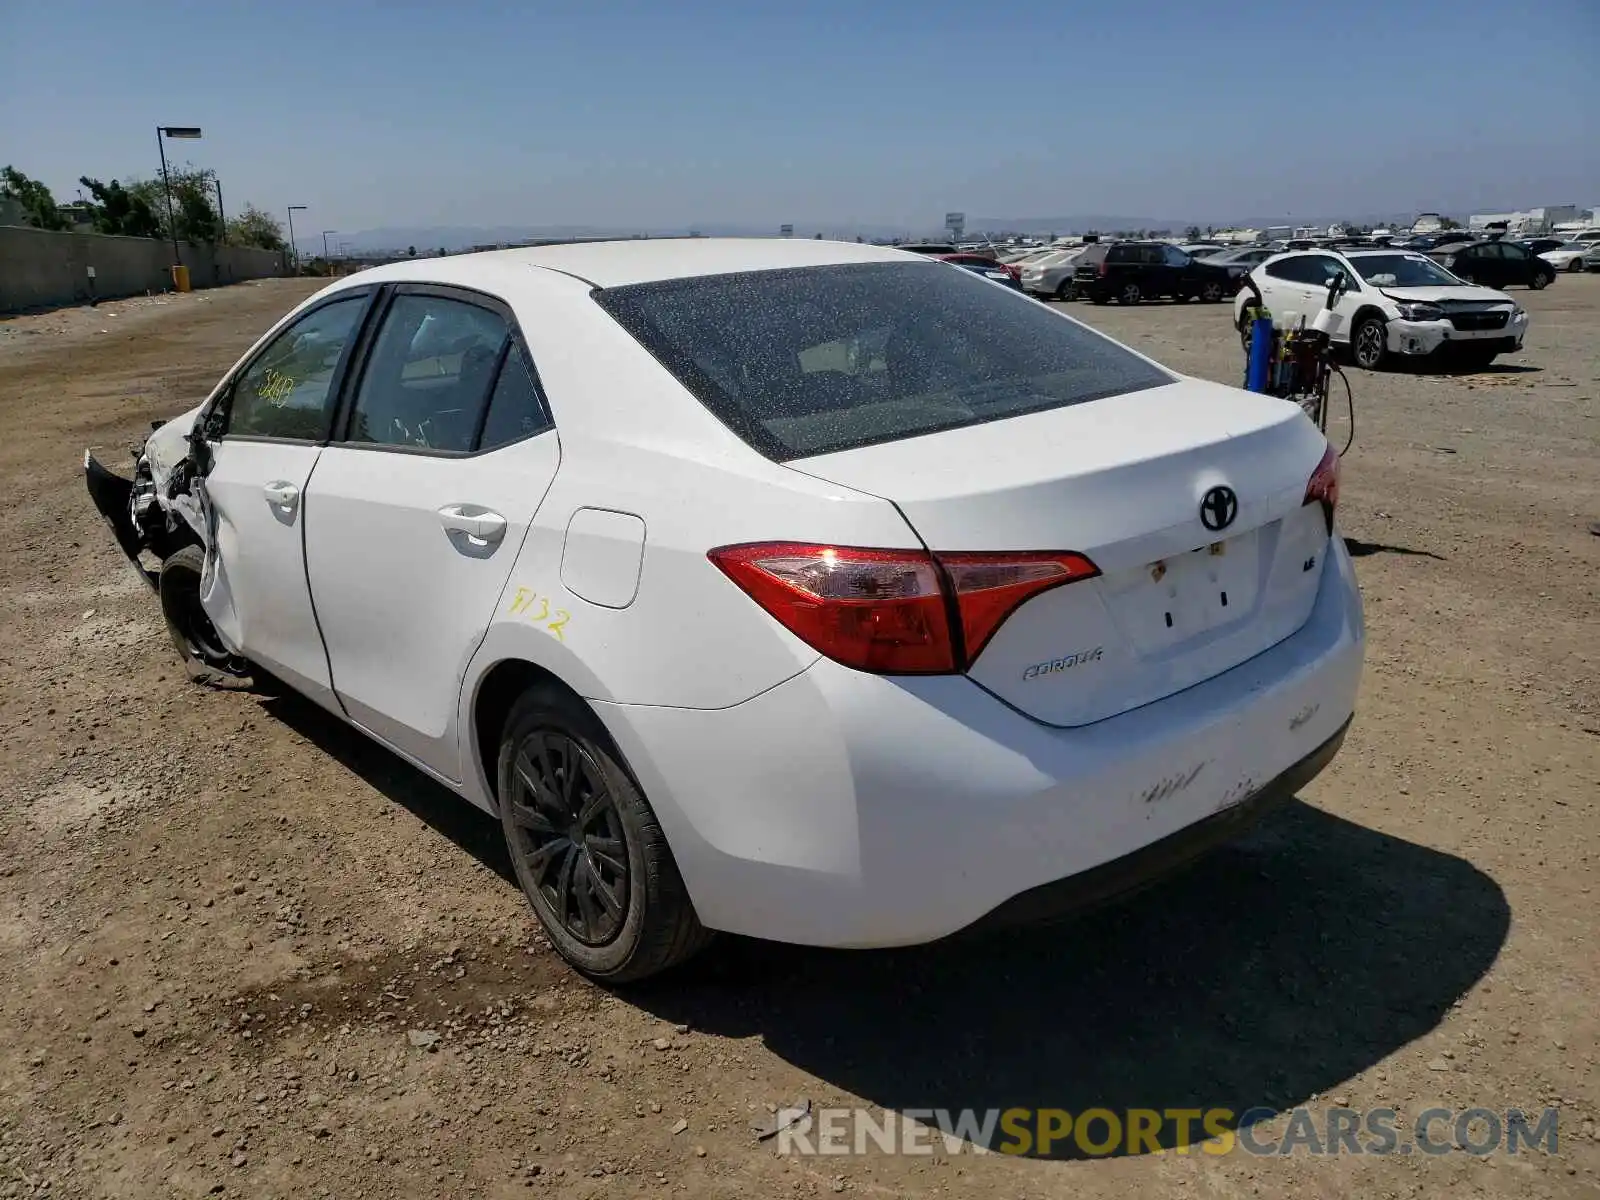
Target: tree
{"points": [[193, 191], [38, 205], [411, 251], [1449, 223], [117, 211], [253, 227], [1192, 233]]}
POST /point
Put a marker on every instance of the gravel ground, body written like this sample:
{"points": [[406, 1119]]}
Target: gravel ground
{"points": [[244, 952]]}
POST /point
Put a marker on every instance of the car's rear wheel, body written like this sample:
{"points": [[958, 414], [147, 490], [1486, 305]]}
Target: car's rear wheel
{"points": [[586, 846], [1130, 294], [1369, 341], [193, 635], [1541, 280], [1064, 290], [1575, 266], [1211, 293]]}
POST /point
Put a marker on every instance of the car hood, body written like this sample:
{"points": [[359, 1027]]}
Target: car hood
{"points": [[1442, 294]]}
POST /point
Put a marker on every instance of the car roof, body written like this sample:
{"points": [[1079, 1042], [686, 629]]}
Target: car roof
{"points": [[639, 260]]}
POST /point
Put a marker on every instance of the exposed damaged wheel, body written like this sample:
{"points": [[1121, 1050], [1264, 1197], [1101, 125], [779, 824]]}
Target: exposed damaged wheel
{"points": [[192, 632], [586, 846]]}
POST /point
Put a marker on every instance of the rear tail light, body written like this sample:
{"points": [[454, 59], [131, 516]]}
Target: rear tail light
{"points": [[1101, 270], [894, 612], [1323, 486], [1012, 270]]}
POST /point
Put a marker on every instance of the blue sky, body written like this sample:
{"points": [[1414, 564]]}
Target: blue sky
{"points": [[700, 112]]}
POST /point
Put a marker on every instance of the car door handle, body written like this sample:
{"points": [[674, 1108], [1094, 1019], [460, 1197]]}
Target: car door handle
{"points": [[482, 526], [281, 494]]}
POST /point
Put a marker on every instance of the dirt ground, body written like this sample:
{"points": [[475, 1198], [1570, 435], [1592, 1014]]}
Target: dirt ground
{"points": [[227, 921]]}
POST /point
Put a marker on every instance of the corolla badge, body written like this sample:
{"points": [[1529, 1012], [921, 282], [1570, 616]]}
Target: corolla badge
{"points": [[1065, 663]]}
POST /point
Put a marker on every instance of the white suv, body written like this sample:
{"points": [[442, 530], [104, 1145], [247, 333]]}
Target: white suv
{"points": [[799, 589], [1398, 302]]}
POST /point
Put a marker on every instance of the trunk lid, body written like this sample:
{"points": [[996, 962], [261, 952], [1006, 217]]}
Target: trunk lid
{"points": [[1120, 480]]}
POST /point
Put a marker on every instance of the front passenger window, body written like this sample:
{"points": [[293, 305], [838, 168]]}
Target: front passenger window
{"points": [[287, 391]]}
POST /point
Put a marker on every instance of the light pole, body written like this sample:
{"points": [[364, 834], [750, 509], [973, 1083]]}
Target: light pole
{"points": [[172, 131], [222, 217], [293, 249], [325, 234]]}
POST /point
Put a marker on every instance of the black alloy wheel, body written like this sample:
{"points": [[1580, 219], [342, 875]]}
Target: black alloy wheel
{"points": [[568, 836]]}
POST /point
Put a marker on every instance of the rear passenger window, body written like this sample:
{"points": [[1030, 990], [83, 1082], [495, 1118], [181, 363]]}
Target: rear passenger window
{"points": [[515, 409], [428, 376], [1295, 270]]}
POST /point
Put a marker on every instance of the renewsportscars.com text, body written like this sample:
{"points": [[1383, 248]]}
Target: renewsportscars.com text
{"points": [[1103, 1132]]}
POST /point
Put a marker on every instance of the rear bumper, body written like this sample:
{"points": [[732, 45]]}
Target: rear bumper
{"points": [[845, 809], [1134, 871]]}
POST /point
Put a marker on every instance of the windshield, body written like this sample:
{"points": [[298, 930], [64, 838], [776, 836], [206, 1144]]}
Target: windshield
{"points": [[818, 359], [1403, 270]]}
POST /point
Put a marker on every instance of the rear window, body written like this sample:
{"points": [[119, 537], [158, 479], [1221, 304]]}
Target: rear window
{"points": [[818, 359]]}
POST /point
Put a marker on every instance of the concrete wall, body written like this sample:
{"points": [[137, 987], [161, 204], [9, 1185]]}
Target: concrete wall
{"points": [[39, 268]]}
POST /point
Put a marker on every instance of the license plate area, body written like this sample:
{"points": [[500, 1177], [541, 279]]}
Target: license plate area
{"points": [[1171, 603]]}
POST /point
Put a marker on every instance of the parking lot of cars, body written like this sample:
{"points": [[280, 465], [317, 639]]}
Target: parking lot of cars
{"points": [[247, 952]]}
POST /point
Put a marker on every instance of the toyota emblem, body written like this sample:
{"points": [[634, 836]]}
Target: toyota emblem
{"points": [[1218, 508]]}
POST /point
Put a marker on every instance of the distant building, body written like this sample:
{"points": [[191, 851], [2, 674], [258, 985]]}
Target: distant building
{"points": [[1529, 222]]}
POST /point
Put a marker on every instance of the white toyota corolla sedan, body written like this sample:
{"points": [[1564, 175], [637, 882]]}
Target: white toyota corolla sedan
{"points": [[798, 589]]}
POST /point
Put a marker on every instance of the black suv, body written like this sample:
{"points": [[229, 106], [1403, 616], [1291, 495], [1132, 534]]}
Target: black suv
{"points": [[1135, 271]]}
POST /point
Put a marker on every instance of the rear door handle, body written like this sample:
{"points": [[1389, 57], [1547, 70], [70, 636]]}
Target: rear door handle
{"points": [[282, 494], [481, 526]]}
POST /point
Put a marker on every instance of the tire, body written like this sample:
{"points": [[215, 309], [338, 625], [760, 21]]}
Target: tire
{"points": [[1575, 267], [552, 739], [1064, 290], [1369, 343], [1129, 294], [193, 635], [1540, 280], [1211, 293]]}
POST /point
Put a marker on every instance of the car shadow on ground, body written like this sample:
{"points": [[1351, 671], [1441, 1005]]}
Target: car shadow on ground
{"points": [[468, 827], [1266, 973], [1359, 549], [1449, 368]]}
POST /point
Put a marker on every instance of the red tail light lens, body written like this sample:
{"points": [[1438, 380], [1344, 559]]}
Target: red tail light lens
{"points": [[990, 587], [1323, 486], [1102, 269], [890, 611]]}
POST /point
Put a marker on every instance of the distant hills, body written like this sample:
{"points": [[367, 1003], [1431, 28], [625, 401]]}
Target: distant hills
{"points": [[458, 237]]}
